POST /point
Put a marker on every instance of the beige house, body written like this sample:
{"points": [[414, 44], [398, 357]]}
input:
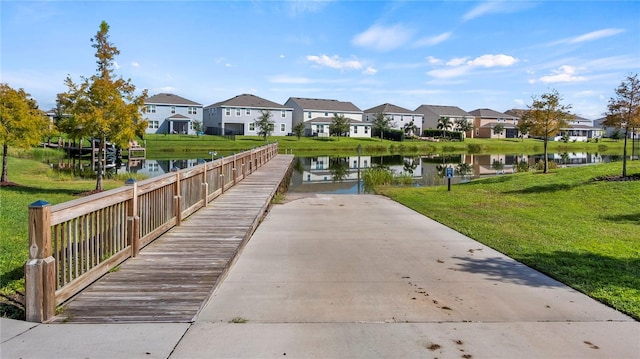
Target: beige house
{"points": [[486, 120]]}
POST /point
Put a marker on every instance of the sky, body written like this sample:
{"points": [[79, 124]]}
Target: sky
{"points": [[471, 54]]}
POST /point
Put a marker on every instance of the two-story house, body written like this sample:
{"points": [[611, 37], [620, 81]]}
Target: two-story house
{"points": [[487, 119], [580, 129], [238, 116], [169, 113], [400, 118], [317, 115], [433, 113]]}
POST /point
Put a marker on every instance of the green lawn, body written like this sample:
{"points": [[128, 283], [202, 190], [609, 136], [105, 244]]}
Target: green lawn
{"points": [[174, 146], [582, 232]]}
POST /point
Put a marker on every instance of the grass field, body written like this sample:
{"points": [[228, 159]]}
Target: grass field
{"points": [[582, 232]]}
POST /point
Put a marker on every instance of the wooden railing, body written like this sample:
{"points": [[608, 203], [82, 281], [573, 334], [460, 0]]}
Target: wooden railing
{"points": [[74, 243]]}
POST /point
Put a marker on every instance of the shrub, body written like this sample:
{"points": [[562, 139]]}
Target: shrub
{"points": [[474, 148]]}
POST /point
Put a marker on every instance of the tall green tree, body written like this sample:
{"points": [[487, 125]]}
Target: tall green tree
{"points": [[381, 123], [298, 130], [463, 125], [624, 111], [498, 129], [104, 106], [339, 125], [22, 124], [444, 124], [523, 126], [546, 116], [264, 125]]}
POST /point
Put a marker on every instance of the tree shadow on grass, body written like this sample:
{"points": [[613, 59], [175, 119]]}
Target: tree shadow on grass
{"points": [[548, 188], [38, 191], [507, 271], [624, 218]]}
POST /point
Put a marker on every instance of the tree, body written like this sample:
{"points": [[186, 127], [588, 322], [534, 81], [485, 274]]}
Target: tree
{"points": [[624, 111], [298, 130], [523, 126], [498, 129], [197, 127], [463, 126], [22, 124], [381, 123], [339, 125], [264, 125], [444, 124], [546, 116], [410, 128], [104, 106]]}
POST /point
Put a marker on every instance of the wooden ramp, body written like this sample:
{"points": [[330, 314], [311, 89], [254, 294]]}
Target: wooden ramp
{"points": [[172, 278]]}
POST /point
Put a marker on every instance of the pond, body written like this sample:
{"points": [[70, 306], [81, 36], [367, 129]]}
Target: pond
{"points": [[343, 175]]}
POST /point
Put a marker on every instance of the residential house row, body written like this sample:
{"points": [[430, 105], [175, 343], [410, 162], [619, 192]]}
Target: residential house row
{"points": [[169, 113]]}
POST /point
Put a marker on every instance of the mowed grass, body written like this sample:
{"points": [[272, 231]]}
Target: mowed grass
{"points": [[36, 181], [582, 232]]}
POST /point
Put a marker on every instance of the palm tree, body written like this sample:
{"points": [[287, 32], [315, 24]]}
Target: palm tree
{"points": [[463, 126], [444, 124]]}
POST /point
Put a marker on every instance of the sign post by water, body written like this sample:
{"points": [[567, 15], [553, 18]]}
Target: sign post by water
{"points": [[449, 177]]}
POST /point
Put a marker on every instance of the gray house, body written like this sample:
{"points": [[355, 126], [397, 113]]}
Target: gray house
{"points": [[237, 116], [317, 115], [400, 117], [432, 113], [169, 113]]}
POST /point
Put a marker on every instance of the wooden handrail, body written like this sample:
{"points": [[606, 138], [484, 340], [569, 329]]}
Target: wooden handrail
{"points": [[74, 243]]}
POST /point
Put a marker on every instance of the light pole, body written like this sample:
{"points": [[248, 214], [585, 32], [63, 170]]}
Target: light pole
{"points": [[213, 154]]}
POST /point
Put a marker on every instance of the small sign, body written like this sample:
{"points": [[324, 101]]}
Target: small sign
{"points": [[449, 172]]}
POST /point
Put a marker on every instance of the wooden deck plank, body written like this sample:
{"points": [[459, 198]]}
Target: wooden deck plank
{"points": [[172, 277]]}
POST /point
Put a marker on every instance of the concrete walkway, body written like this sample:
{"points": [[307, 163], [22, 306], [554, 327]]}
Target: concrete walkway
{"points": [[359, 276]]}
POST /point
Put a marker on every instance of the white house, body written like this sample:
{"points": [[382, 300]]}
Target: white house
{"points": [[580, 129], [237, 116], [169, 113], [317, 115], [400, 117]]}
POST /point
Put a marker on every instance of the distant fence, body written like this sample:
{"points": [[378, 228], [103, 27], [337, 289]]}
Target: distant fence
{"points": [[74, 243]]}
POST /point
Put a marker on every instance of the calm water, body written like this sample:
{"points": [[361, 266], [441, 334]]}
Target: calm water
{"points": [[330, 174]]}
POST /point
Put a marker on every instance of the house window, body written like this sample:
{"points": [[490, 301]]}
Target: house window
{"points": [[153, 124], [173, 109], [247, 112], [326, 114], [401, 118], [366, 130], [309, 114], [227, 111], [151, 109], [252, 126], [283, 127], [283, 113], [238, 112], [192, 110], [355, 129]]}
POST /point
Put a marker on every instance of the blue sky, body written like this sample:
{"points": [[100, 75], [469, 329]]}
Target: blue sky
{"points": [[470, 54]]}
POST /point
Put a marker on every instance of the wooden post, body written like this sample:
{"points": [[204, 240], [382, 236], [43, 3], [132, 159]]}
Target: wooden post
{"points": [[205, 185], [40, 276], [221, 178], [177, 197], [133, 219]]}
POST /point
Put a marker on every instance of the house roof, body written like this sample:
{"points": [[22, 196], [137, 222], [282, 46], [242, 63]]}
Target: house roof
{"points": [[488, 113], [248, 100], [178, 116], [443, 110], [389, 108], [169, 99], [517, 112], [324, 105]]}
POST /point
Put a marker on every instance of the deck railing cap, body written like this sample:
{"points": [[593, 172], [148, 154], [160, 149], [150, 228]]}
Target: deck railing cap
{"points": [[39, 203]]}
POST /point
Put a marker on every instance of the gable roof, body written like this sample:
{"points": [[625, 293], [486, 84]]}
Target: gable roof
{"points": [[389, 108], [169, 99], [488, 113], [324, 105], [248, 100], [443, 110], [518, 112]]}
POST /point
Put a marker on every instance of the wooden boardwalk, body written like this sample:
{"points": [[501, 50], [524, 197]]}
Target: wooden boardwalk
{"points": [[172, 278]]}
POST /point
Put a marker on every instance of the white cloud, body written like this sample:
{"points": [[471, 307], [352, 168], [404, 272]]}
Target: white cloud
{"points": [[434, 40], [433, 61], [116, 65], [135, 64], [461, 65], [335, 62], [370, 71], [299, 7], [383, 38], [594, 35], [456, 61], [564, 73], [497, 7], [282, 56], [493, 60]]}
